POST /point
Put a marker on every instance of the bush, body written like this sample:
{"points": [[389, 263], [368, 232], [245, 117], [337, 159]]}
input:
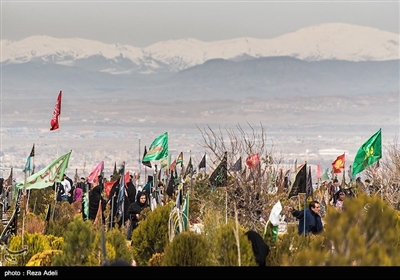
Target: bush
{"points": [[151, 236], [187, 249]]}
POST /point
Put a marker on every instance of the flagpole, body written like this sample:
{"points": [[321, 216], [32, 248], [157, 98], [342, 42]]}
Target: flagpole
{"points": [[24, 207], [226, 205], [226, 198], [191, 171], [139, 165], [58, 133], [55, 199], [305, 200]]}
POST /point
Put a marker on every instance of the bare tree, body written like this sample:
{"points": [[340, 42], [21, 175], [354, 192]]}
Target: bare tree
{"points": [[386, 175], [252, 191]]}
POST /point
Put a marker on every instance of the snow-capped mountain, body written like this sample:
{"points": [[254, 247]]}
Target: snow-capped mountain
{"points": [[331, 41]]}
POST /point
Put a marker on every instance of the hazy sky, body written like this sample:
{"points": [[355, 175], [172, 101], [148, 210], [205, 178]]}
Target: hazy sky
{"points": [[142, 23]]}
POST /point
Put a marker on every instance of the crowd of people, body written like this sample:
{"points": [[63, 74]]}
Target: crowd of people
{"points": [[91, 200]]}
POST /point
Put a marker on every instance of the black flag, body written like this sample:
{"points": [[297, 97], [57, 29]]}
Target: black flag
{"points": [[219, 177], [299, 184], [32, 154], [309, 188], [171, 186], [189, 168], [146, 163], [202, 163], [238, 165]]}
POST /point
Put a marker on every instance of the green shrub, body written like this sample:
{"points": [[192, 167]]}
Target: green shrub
{"points": [[187, 249], [151, 236]]}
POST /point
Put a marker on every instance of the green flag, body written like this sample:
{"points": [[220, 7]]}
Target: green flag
{"points": [[369, 153], [48, 175], [185, 213], [325, 176], [158, 149]]}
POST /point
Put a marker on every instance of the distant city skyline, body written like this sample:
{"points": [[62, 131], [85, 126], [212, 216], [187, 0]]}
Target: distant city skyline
{"points": [[141, 24]]}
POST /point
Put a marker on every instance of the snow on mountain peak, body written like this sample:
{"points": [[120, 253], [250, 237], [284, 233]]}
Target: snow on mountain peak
{"points": [[339, 41]]}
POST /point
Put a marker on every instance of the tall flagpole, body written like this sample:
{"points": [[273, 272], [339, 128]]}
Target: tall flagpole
{"points": [[191, 171], [58, 133], [305, 201], [139, 165]]}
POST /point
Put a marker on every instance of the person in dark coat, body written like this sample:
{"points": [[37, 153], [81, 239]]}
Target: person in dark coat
{"points": [[131, 191], [113, 201], [313, 223], [260, 248], [1, 185], [134, 212], [94, 199], [129, 197]]}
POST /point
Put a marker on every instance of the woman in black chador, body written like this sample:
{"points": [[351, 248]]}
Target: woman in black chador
{"points": [[94, 199], [134, 212]]}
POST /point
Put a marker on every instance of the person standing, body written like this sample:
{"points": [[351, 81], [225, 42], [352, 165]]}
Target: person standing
{"points": [[334, 191], [134, 211], [71, 190], [339, 202], [313, 223], [66, 186], [94, 200]]}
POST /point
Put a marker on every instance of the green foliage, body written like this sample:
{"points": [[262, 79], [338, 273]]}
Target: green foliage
{"points": [[55, 242], [63, 215], [156, 259], [151, 236], [117, 239], [78, 247], [43, 258], [58, 227], [187, 249], [35, 243], [365, 233], [285, 250], [225, 247], [39, 199]]}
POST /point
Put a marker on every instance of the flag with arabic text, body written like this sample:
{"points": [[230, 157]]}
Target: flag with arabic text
{"points": [[158, 148], [369, 153], [46, 177]]}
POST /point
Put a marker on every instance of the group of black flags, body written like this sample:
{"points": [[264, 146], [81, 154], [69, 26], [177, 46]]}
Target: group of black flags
{"points": [[369, 153]]}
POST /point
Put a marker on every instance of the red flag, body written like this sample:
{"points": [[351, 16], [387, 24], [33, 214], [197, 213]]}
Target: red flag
{"points": [[319, 171], [56, 113], [252, 161], [93, 176], [108, 186], [172, 167], [127, 178], [338, 164]]}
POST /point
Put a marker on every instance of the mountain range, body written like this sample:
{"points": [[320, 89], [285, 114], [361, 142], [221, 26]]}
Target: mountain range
{"points": [[326, 59], [334, 41], [324, 86]]}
